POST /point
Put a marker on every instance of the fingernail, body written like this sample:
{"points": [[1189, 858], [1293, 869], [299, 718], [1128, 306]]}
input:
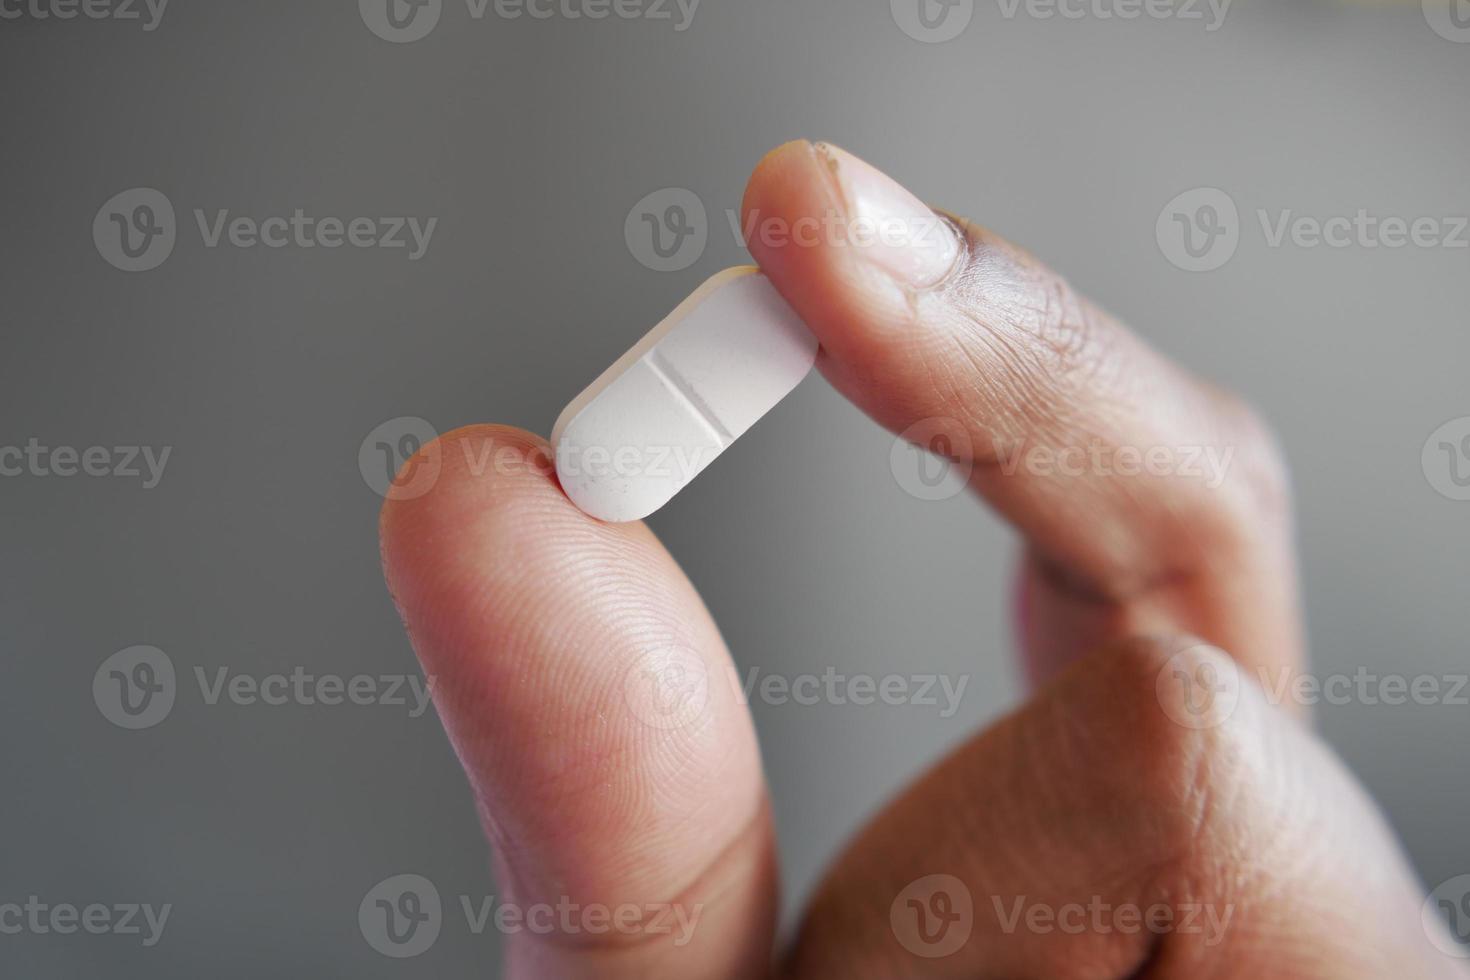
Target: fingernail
{"points": [[892, 227]]}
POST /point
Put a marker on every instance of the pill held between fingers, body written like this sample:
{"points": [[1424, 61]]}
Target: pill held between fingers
{"points": [[665, 409]]}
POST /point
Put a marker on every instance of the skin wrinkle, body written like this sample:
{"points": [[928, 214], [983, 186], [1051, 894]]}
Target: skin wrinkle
{"points": [[1009, 386], [1198, 809], [659, 754], [709, 887], [561, 784], [942, 378], [646, 824], [638, 800], [1030, 868], [1268, 873], [1180, 756], [1045, 398], [1044, 393], [1066, 325]]}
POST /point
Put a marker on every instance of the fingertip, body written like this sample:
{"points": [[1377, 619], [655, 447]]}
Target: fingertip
{"points": [[474, 513], [780, 169], [461, 476], [788, 201], [794, 225]]}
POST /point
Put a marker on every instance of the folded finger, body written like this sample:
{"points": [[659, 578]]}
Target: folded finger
{"points": [[1116, 827]]}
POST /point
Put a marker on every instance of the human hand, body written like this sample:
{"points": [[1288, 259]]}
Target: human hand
{"points": [[1119, 782]]}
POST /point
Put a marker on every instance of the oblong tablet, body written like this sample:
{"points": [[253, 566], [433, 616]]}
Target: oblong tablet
{"points": [[688, 389]]}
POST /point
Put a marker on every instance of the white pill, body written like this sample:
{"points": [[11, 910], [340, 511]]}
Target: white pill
{"points": [[688, 389]]}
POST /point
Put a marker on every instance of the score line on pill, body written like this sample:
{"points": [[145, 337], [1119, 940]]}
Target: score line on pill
{"points": [[669, 406]]}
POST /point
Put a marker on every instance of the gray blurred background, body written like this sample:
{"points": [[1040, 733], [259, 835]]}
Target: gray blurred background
{"points": [[531, 141]]}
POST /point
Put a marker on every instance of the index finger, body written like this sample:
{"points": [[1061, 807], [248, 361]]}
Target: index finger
{"points": [[1149, 500]]}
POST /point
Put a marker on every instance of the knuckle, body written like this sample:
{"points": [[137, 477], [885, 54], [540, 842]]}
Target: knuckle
{"points": [[1044, 324], [1167, 719], [1026, 340], [1262, 476]]}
